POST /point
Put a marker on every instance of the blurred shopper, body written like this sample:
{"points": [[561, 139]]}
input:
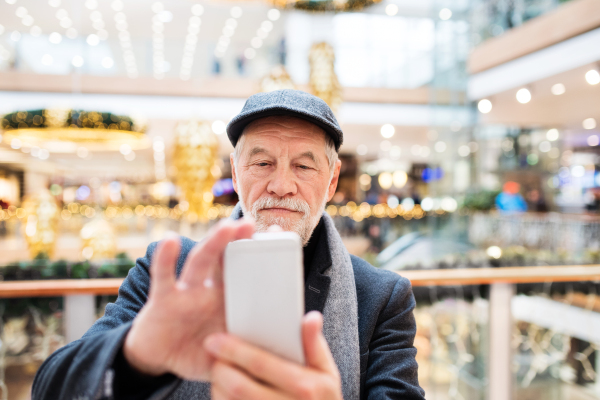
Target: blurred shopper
{"points": [[510, 200], [164, 338]]}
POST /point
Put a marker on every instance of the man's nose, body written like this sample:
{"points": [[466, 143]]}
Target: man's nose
{"points": [[282, 183]]}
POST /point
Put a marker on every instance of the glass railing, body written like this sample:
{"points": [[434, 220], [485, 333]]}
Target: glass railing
{"points": [[482, 333], [493, 18]]}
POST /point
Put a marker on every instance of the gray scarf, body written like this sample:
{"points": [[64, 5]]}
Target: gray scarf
{"points": [[340, 317]]}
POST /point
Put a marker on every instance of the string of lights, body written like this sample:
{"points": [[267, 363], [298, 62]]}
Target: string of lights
{"points": [[161, 16], [228, 31], [357, 212], [190, 42], [125, 39], [266, 27]]}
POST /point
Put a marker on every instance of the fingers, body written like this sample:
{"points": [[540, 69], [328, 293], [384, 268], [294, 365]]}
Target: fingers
{"points": [[255, 361], [231, 383], [164, 263], [316, 349], [205, 260]]}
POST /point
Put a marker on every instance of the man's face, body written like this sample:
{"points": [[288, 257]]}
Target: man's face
{"points": [[283, 176]]}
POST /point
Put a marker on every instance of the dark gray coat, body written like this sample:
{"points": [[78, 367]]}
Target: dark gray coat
{"points": [[85, 369]]}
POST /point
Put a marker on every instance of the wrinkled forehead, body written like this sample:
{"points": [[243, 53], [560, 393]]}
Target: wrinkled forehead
{"points": [[285, 128]]}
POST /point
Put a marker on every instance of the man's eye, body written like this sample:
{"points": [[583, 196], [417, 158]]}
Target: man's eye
{"points": [[262, 164], [303, 167]]}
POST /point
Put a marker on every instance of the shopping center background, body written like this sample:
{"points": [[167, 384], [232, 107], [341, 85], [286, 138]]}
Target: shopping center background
{"points": [[471, 146]]}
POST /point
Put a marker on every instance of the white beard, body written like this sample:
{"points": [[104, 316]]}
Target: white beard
{"points": [[303, 227]]}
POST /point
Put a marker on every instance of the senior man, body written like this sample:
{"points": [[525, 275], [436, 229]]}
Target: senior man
{"points": [[164, 337]]}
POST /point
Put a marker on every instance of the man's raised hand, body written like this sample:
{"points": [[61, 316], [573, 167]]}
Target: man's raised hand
{"points": [[168, 333]]}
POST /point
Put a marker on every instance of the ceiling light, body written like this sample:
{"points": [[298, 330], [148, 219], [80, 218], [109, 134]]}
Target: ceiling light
{"points": [[387, 131], [440, 147], [261, 33], [593, 140], [71, 33], [11, 1], [256, 42], [93, 40], [589, 123], [62, 13], [552, 135], [35, 31], [236, 12], [55, 38], [165, 16], [523, 96], [91, 4], [558, 89], [273, 14], [218, 127], [117, 5], [21, 12], [197, 9], [232, 23], [27, 20], [96, 16], [391, 10], [266, 26], [157, 7], [15, 36], [47, 59], [77, 61], [484, 106], [53, 3], [362, 149], [592, 77], [66, 23], [107, 62], [464, 150], [98, 24], [445, 14]]}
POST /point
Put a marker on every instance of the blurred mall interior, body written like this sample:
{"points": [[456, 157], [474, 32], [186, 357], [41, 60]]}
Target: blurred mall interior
{"points": [[471, 164]]}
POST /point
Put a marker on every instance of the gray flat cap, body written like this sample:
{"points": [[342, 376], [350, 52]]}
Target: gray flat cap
{"points": [[294, 103]]}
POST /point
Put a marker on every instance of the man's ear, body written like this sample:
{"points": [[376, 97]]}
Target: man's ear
{"points": [[334, 180], [233, 173]]}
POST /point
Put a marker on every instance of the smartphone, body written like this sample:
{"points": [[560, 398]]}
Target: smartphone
{"points": [[264, 292]]}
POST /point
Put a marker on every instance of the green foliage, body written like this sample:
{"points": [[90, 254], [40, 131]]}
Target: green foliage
{"points": [[481, 200], [42, 268]]}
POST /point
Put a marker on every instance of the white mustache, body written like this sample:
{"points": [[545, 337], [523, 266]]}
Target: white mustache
{"points": [[287, 203]]}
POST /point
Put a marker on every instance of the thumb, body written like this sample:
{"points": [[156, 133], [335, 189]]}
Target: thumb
{"points": [[316, 350]]}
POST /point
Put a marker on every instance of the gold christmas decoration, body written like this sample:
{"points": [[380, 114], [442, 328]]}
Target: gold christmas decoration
{"points": [[325, 5], [278, 79], [41, 223], [75, 127], [98, 240], [323, 80], [196, 149]]}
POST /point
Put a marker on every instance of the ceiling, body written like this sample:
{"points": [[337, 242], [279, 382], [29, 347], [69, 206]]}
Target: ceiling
{"points": [[545, 110]]}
